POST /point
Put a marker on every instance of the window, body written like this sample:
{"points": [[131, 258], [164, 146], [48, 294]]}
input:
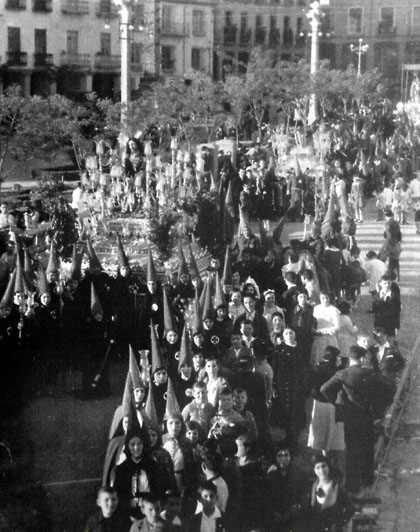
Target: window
{"points": [[13, 39], [105, 44], [196, 58], [72, 42], [355, 20], [168, 59], [387, 16], [244, 20], [40, 41], [166, 18], [228, 18], [415, 28], [136, 52], [198, 22]]}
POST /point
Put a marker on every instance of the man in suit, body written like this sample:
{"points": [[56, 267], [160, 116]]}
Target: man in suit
{"points": [[259, 323], [364, 394], [210, 519]]}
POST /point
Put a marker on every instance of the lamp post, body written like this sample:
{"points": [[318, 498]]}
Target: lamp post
{"points": [[360, 49], [314, 16]]}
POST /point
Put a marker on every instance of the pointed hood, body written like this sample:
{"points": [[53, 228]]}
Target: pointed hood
{"points": [[151, 270], [134, 370], [208, 311], [158, 361], [27, 266], [203, 295], [122, 257], [227, 267], [219, 296], [53, 262], [128, 397], [194, 271], [150, 407], [169, 322], [185, 353], [94, 262], [228, 224], [229, 195], [277, 232], [263, 234], [196, 324], [7, 299], [95, 305], [172, 405], [182, 263], [42, 282], [75, 273], [21, 283]]}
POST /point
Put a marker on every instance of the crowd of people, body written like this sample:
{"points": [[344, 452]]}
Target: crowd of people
{"points": [[220, 358]]}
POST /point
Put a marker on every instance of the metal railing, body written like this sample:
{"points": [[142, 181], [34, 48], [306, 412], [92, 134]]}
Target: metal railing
{"points": [[75, 7], [16, 58], [78, 60], [42, 6], [175, 29], [43, 59], [107, 62]]}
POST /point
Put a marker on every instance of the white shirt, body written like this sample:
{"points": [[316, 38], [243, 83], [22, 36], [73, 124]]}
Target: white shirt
{"points": [[208, 524], [414, 188], [374, 268]]}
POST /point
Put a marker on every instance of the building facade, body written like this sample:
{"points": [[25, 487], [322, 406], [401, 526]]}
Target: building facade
{"points": [[391, 29]]}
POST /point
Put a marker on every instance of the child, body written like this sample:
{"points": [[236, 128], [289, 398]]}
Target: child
{"points": [[108, 517], [383, 202], [236, 351], [171, 508], [240, 399], [357, 198], [213, 517], [199, 409], [150, 507], [346, 334], [355, 276], [211, 467], [214, 382], [226, 422], [417, 217]]}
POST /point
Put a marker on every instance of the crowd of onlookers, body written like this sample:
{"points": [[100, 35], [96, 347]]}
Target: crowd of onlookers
{"points": [[222, 359]]}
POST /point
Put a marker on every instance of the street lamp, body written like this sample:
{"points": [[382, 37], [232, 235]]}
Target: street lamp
{"points": [[314, 16], [360, 50], [125, 10]]}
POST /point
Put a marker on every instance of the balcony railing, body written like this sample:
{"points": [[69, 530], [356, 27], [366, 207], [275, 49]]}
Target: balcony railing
{"points": [[175, 29], [75, 7], [245, 35], [75, 60], [229, 34], [16, 4], [168, 65], [107, 62], [385, 29], [260, 34], [106, 10], [42, 6], [42, 60], [17, 58]]}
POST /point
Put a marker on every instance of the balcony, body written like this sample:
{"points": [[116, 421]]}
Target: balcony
{"points": [[16, 58], [274, 37], [107, 62], [386, 30], [42, 6], [75, 7], [260, 34], [15, 5], [175, 29], [229, 34], [75, 60], [106, 10], [43, 60], [168, 65], [245, 35]]}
